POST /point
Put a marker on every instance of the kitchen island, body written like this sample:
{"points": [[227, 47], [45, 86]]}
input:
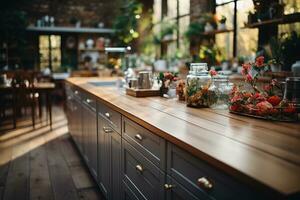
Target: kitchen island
{"points": [[157, 148]]}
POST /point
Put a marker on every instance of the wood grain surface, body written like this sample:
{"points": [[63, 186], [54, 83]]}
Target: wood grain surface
{"points": [[260, 152]]}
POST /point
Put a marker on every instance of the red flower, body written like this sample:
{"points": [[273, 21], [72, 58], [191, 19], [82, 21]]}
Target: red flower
{"points": [[260, 61], [267, 88], [247, 94], [274, 100], [235, 99], [234, 107], [257, 96], [246, 68], [168, 76], [249, 78], [290, 109], [213, 72], [264, 107]]}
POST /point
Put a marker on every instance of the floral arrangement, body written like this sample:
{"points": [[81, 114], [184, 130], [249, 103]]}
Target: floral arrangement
{"points": [[262, 102], [180, 90], [167, 79], [198, 95]]}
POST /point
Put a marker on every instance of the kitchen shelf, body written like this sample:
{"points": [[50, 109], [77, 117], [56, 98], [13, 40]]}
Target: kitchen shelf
{"points": [[216, 32], [64, 29], [286, 19], [92, 49]]}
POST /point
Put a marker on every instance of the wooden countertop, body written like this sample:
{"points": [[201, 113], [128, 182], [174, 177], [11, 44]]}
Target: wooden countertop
{"points": [[262, 153]]}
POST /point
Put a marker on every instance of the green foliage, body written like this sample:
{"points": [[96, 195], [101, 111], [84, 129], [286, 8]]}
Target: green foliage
{"points": [[166, 28], [285, 50], [194, 30], [126, 24]]}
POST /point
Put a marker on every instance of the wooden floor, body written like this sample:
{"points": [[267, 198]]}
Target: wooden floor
{"points": [[42, 164]]}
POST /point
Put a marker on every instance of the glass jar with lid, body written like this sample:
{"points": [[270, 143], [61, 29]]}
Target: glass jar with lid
{"points": [[219, 90], [197, 84]]}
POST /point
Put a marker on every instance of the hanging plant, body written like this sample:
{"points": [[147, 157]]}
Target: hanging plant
{"points": [[126, 24], [166, 29]]}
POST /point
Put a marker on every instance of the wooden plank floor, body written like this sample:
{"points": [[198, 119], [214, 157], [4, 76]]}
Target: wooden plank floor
{"points": [[43, 164]]}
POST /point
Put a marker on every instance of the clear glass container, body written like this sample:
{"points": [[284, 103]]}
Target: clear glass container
{"points": [[197, 84], [220, 90]]}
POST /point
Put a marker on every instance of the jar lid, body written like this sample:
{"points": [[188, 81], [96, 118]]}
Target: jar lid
{"points": [[198, 67]]}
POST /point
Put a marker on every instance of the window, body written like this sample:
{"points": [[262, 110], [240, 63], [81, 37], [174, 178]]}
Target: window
{"points": [[50, 52], [246, 38]]}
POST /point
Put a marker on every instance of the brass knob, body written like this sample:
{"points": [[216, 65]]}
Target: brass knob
{"points": [[138, 136], [168, 186], [204, 183], [107, 115], [139, 168], [107, 130]]}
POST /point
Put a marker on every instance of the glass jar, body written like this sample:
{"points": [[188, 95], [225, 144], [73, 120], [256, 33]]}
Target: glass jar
{"points": [[219, 90], [197, 83]]}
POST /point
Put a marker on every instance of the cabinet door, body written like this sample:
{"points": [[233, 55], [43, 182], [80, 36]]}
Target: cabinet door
{"points": [[115, 146], [109, 160], [77, 124], [85, 130], [103, 158], [91, 137]]}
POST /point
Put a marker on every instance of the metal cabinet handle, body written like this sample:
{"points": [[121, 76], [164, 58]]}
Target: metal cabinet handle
{"points": [[107, 115], [139, 137], [139, 168], [204, 183], [88, 100], [107, 130], [168, 186], [76, 92]]}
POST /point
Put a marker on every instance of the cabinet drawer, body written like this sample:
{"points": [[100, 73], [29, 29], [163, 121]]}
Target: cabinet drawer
{"points": [[145, 176], [89, 101], [113, 117], [149, 144], [174, 191], [76, 93], [201, 178]]}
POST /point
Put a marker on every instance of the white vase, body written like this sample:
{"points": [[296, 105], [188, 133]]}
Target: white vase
{"points": [[296, 67], [208, 27], [222, 26]]}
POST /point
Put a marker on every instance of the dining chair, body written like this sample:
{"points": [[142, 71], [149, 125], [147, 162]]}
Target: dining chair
{"points": [[23, 92]]}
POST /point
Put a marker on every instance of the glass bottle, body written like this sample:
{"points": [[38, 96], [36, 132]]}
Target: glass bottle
{"points": [[197, 83]]}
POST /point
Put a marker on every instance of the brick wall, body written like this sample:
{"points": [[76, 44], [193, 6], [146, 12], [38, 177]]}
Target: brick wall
{"points": [[89, 12]]}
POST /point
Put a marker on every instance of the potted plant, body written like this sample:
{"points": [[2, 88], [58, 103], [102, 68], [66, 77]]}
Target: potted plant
{"points": [[222, 23]]}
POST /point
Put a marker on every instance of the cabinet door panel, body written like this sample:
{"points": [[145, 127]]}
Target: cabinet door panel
{"points": [[103, 158], [91, 147], [115, 145]]}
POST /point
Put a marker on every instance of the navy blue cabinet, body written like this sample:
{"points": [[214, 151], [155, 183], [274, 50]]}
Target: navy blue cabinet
{"points": [[109, 158], [89, 132], [130, 162]]}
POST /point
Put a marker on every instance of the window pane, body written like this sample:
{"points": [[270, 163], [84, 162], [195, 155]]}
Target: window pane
{"points": [[246, 38], [184, 7]]}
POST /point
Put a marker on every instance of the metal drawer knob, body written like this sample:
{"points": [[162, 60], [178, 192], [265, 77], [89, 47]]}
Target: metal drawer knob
{"points": [[88, 100], [76, 92], [139, 137], [107, 130], [205, 183], [107, 115], [168, 186], [139, 168]]}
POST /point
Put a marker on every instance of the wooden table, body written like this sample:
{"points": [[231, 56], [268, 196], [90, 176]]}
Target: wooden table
{"points": [[40, 88], [262, 153]]}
